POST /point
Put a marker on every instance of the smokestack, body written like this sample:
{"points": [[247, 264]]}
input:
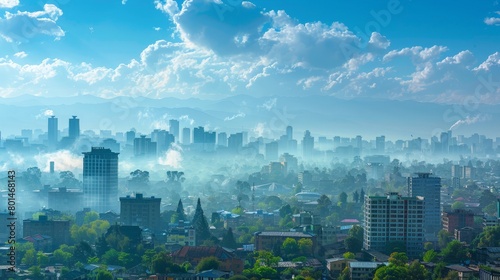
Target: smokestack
{"points": [[51, 167]]}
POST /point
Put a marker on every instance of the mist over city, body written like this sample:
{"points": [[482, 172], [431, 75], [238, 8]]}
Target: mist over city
{"points": [[227, 139]]}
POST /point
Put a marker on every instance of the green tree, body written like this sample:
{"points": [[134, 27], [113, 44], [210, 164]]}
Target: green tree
{"points": [[398, 258], [90, 217], [208, 263], [430, 256], [391, 272], [439, 271], [228, 240], [355, 196], [454, 252], [42, 259], [200, 224], [343, 198], [36, 272], [290, 247], [29, 258], [444, 238], [104, 274], [181, 214], [349, 256], [354, 240], [305, 246], [490, 237], [111, 257], [416, 271], [139, 179]]}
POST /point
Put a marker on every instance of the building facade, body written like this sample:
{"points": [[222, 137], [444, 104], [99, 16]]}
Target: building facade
{"points": [[141, 211], [394, 218], [58, 230], [430, 189], [100, 179]]}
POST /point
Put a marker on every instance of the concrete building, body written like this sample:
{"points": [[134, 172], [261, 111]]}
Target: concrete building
{"points": [[53, 132], [267, 240], [100, 179], [74, 128], [363, 270], [430, 189], [457, 219], [58, 230], [65, 200], [394, 218], [144, 147], [174, 128], [141, 211]]}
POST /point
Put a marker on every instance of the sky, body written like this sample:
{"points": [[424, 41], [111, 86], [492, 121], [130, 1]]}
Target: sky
{"points": [[429, 51]]}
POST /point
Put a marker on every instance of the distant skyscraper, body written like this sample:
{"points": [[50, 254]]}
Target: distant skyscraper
{"points": [[393, 218], [289, 133], [130, 135], [222, 139], [144, 147], [186, 136], [430, 188], [272, 151], [174, 128], [163, 140], [235, 142], [199, 135], [380, 144], [74, 128], [52, 132], [100, 179], [307, 145]]}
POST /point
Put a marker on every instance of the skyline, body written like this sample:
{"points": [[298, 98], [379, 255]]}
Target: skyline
{"points": [[400, 50]]}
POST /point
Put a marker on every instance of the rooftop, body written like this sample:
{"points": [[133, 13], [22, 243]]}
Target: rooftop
{"points": [[284, 234]]}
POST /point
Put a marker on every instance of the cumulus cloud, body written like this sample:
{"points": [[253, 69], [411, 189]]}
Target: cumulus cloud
{"points": [[493, 20], [21, 54], [63, 160], [172, 157], [8, 4], [21, 26]]}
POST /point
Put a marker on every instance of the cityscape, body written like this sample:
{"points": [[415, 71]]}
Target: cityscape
{"points": [[221, 139]]}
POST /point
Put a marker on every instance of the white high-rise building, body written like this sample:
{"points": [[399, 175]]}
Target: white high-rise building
{"points": [[391, 219]]}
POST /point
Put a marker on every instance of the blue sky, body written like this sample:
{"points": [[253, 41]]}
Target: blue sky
{"points": [[433, 51]]}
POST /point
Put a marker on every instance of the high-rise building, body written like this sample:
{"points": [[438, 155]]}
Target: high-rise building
{"points": [[235, 142], [144, 147], [199, 135], [130, 136], [100, 179], [58, 230], [52, 132], [307, 145], [430, 188], [393, 218], [272, 151], [222, 139], [163, 140], [289, 132], [74, 128], [457, 219], [186, 136], [380, 144], [174, 128], [141, 211]]}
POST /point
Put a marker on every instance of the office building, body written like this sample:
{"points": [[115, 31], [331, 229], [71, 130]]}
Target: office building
{"points": [[58, 230], [430, 188], [289, 133], [380, 144], [144, 147], [272, 151], [186, 136], [222, 139], [100, 179], [307, 145], [174, 128], [457, 219], [141, 211], [52, 132], [74, 128], [65, 200], [235, 142], [394, 218]]}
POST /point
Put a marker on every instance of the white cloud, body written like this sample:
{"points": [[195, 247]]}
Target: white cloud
{"points": [[8, 4], [239, 115], [493, 20], [23, 26], [63, 159], [172, 157], [21, 54]]}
